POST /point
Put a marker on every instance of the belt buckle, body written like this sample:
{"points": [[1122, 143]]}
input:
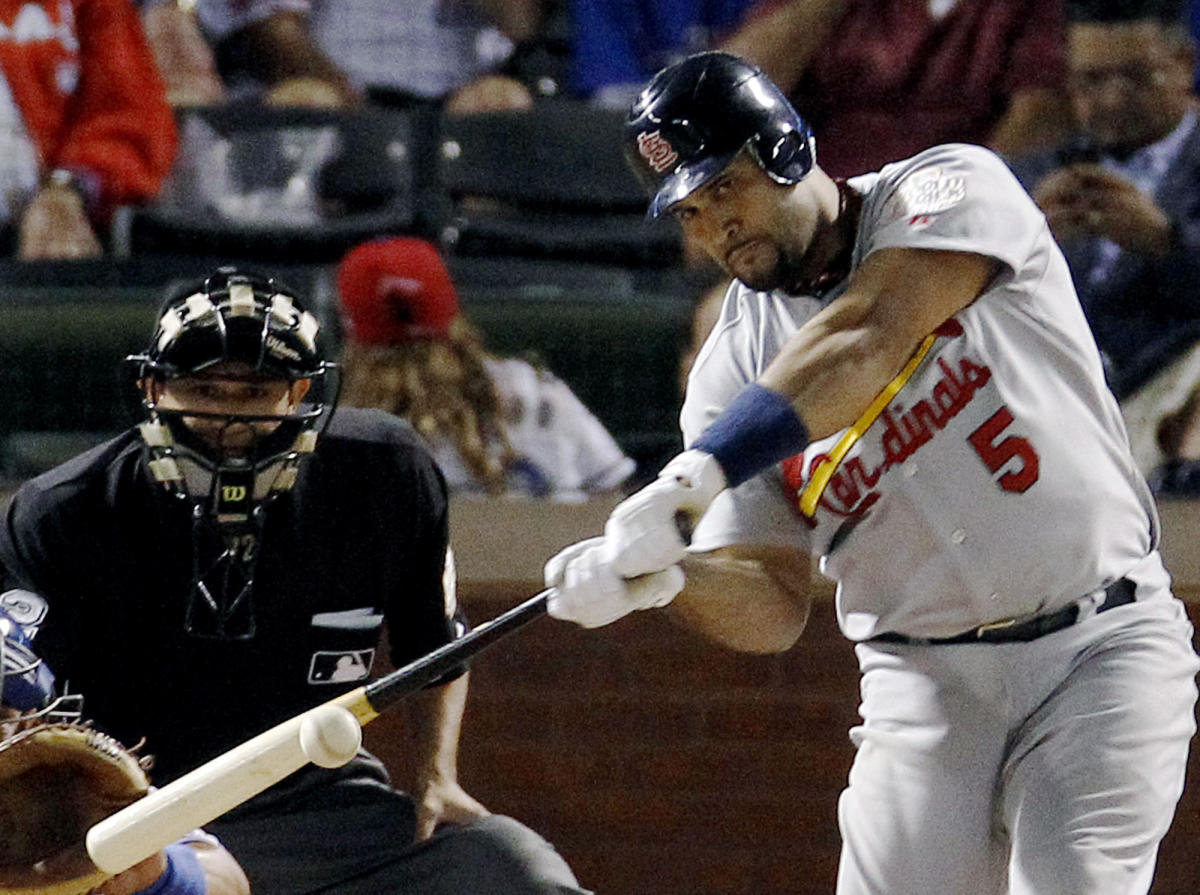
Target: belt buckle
{"points": [[994, 626]]}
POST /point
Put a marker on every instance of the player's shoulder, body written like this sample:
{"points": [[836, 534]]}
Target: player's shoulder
{"points": [[747, 316], [87, 479], [87, 469], [751, 327], [965, 156], [515, 376], [366, 427], [937, 175], [528, 390], [950, 193], [360, 444]]}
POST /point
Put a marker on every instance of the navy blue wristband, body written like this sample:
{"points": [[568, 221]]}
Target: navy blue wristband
{"points": [[758, 429], [184, 874]]}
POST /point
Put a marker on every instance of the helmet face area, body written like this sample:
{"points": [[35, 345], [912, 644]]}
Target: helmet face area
{"points": [[695, 116], [231, 358], [237, 391], [231, 407]]}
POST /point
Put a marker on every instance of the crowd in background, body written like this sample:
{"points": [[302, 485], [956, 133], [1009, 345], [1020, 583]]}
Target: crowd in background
{"points": [[1091, 102]]}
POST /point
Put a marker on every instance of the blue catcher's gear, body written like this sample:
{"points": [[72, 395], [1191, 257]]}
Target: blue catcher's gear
{"points": [[28, 681]]}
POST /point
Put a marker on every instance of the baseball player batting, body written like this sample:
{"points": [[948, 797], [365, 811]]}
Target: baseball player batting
{"points": [[902, 384]]}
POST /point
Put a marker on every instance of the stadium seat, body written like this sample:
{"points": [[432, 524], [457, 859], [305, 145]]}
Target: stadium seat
{"points": [[549, 182], [60, 353], [284, 184], [62, 345]]}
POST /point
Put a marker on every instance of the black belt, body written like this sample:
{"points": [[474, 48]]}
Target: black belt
{"points": [[1118, 593]]}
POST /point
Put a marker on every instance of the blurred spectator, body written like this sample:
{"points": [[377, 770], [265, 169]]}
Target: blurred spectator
{"points": [[914, 73], [184, 58], [617, 45], [335, 52], [84, 122], [494, 425], [1124, 202]]}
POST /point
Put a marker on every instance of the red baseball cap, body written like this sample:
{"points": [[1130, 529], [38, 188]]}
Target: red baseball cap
{"points": [[396, 290]]}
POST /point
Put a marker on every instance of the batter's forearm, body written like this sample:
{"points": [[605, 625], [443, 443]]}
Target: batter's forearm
{"points": [[832, 368], [747, 602]]}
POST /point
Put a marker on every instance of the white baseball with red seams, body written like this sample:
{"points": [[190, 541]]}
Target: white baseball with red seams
{"points": [[996, 484]]}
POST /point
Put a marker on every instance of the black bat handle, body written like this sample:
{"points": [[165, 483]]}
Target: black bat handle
{"points": [[391, 688]]}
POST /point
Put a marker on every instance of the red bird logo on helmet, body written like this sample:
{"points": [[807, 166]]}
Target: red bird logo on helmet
{"points": [[658, 153]]}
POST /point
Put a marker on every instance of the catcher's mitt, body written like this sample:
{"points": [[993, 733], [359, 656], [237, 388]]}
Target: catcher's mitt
{"points": [[56, 780]]}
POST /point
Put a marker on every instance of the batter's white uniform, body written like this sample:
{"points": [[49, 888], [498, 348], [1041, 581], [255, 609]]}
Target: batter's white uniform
{"points": [[998, 483]]}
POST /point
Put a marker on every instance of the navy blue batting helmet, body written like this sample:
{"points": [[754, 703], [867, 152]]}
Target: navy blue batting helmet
{"points": [[696, 115]]}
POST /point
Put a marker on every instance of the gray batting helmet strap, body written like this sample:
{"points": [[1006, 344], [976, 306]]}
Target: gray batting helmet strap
{"points": [[696, 115]]}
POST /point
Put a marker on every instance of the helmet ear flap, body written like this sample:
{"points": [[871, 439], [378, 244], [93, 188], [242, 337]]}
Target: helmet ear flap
{"points": [[789, 156]]}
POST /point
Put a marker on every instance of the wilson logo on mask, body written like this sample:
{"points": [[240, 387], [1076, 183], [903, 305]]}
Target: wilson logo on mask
{"points": [[233, 497]]}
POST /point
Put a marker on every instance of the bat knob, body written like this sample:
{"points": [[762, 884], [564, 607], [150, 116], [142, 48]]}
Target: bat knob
{"points": [[330, 736]]}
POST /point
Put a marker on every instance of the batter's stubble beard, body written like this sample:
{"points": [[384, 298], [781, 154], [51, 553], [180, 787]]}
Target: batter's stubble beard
{"points": [[785, 272]]}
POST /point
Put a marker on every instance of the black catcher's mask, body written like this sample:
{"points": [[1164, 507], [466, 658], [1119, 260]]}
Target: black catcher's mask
{"points": [[259, 325]]}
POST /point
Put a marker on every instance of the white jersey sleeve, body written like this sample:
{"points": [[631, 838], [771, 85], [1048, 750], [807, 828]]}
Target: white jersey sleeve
{"points": [[595, 460], [955, 197], [552, 432]]}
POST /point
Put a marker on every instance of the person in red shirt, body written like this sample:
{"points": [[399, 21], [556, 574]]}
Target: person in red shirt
{"points": [[84, 122], [883, 79]]}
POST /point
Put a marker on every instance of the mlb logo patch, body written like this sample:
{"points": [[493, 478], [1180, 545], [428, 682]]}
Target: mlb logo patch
{"points": [[340, 667]]}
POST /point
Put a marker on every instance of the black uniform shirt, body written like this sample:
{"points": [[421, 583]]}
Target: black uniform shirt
{"points": [[362, 536]]}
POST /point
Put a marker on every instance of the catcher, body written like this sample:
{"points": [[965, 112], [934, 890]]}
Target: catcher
{"points": [[59, 775], [231, 563]]}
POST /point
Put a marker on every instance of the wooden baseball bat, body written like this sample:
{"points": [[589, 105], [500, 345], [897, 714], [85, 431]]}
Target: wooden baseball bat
{"points": [[328, 735]]}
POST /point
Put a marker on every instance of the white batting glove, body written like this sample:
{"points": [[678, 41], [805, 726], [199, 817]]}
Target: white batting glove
{"points": [[588, 592], [643, 531]]}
